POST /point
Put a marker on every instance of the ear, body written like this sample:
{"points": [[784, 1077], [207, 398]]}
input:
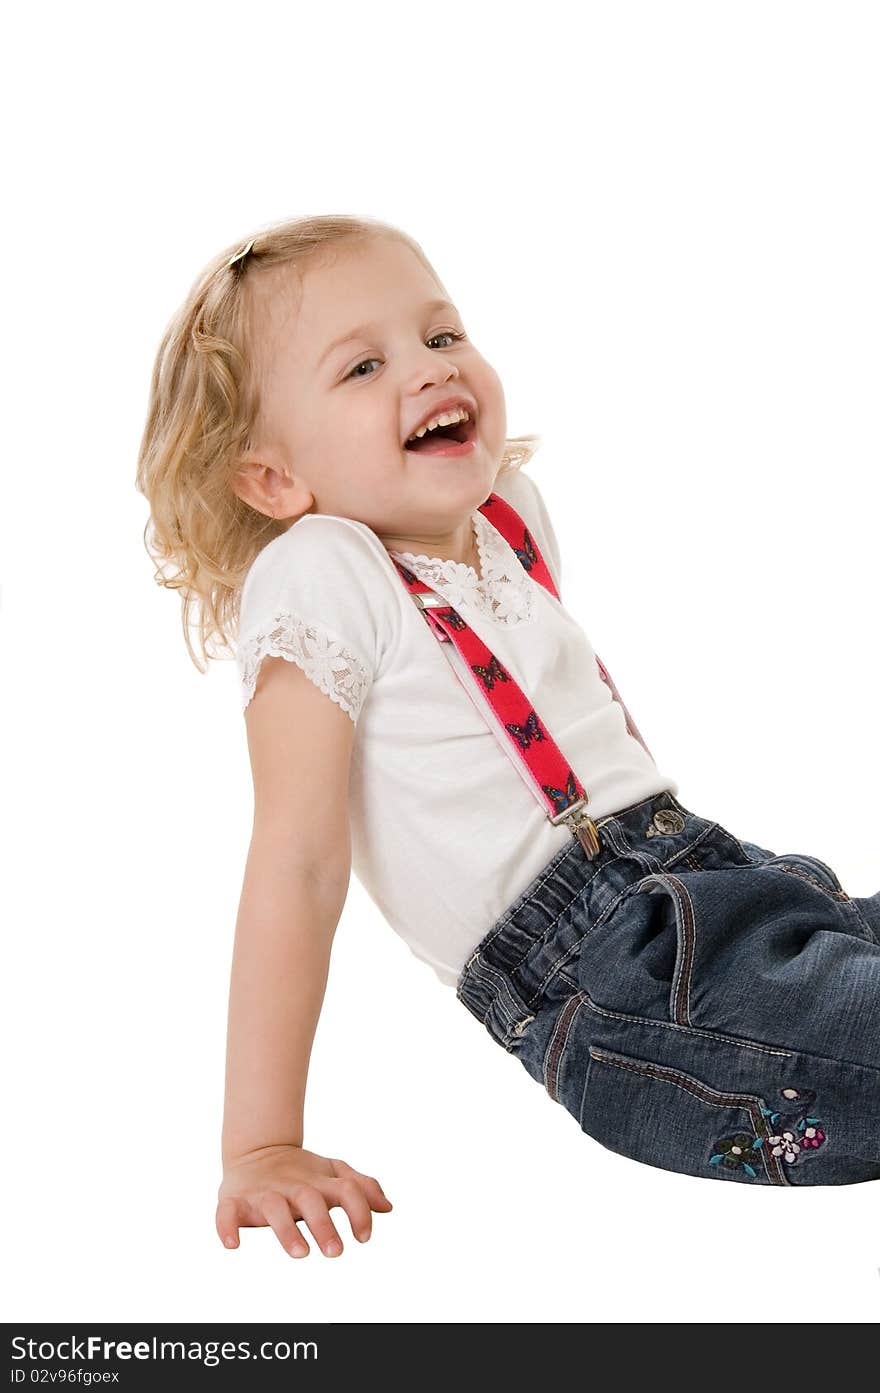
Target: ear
{"points": [[270, 490]]}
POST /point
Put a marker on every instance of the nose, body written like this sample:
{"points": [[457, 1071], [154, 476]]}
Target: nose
{"points": [[431, 370]]}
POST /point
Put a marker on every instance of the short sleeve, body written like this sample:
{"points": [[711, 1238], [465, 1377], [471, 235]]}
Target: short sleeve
{"points": [[521, 491], [310, 597]]}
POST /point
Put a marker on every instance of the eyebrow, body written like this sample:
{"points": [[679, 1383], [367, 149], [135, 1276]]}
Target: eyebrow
{"points": [[362, 330]]}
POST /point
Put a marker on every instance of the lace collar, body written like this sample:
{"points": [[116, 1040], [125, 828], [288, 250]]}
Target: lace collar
{"points": [[503, 592]]}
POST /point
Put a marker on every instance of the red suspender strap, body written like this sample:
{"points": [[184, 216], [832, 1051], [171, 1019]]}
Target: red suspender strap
{"points": [[498, 698], [506, 520], [512, 528]]}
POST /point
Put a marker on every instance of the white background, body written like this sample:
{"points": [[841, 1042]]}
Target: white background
{"points": [[661, 224]]}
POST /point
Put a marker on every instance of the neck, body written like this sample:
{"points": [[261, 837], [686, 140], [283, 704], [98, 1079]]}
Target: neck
{"points": [[460, 546]]}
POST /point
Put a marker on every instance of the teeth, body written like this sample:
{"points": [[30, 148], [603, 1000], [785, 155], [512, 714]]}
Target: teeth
{"points": [[446, 418]]}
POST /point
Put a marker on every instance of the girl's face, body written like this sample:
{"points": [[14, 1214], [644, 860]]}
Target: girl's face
{"points": [[350, 362]]}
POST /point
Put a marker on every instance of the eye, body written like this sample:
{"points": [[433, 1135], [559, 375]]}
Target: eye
{"points": [[444, 334]]}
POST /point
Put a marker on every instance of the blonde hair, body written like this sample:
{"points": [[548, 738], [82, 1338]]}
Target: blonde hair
{"points": [[203, 405]]}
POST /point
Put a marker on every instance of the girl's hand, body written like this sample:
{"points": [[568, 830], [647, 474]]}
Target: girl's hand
{"points": [[277, 1185]]}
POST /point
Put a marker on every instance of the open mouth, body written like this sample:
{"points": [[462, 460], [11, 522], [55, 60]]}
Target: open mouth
{"points": [[461, 432]]}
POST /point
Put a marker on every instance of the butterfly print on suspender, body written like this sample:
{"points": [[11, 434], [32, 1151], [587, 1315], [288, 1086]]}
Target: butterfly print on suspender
{"points": [[491, 674], [524, 735], [513, 530], [501, 701], [562, 798], [526, 556]]}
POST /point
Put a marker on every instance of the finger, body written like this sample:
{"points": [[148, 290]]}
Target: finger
{"points": [[277, 1212], [376, 1196], [309, 1204], [227, 1221], [350, 1196]]}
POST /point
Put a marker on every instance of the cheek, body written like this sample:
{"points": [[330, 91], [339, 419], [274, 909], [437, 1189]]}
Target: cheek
{"points": [[366, 430], [486, 382], [490, 398], [355, 420], [366, 413]]}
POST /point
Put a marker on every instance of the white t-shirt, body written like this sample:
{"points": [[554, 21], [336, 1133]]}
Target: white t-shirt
{"points": [[445, 833]]}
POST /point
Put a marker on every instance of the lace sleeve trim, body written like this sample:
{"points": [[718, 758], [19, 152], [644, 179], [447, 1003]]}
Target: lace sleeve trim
{"points": [[325, 660]]}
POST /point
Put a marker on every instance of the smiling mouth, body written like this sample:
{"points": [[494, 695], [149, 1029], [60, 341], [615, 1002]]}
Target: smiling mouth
{"points": [[460, 433]]}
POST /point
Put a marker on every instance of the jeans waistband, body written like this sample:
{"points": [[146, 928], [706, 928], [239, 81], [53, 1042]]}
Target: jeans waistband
{"points": [[512, 965]]}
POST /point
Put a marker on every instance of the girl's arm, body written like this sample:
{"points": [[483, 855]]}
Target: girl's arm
{"points": [[286, 921], [295, 885]]}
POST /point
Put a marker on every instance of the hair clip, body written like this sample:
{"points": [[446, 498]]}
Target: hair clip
{"points": [[240, 256]]}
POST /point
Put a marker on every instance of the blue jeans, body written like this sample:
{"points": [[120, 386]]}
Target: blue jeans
{"points": [[696, 1002]]}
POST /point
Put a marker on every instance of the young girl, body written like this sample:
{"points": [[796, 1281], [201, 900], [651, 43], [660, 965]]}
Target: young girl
{"points": [[328, 470]]}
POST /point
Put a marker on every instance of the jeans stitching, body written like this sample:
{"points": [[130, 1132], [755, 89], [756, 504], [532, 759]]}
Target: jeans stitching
{"points": [[621, 849], [673, 859], [506, 987], [518, 904], [688, 1084], [530, 1001], [632, 888], [863, 921], [681, 991], [750, 860], [686, 1029], [796, 1052], [531, 891], [686, 936], [558, 1042], [613, 836], [805, 875], [569, 952]]}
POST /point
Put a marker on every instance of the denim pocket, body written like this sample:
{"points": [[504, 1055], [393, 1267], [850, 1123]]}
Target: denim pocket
{"points": [[738, 950], [642, 959], [719, 848], [665, 1117], [810, 868], [796, 863], [706, 1108]]}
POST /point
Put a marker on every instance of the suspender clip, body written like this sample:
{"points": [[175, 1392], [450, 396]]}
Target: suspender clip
{"points": [[588, 836], [580, 825]]}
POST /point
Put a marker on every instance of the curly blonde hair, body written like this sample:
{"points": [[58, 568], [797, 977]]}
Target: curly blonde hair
{"points": [[203, 406]]}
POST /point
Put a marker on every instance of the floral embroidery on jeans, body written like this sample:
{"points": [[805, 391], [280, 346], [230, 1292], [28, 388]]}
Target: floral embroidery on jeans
{"points": [[798, 1136], [798, 1098], [785, 1145], [737, 1151], [812, 1134]]}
